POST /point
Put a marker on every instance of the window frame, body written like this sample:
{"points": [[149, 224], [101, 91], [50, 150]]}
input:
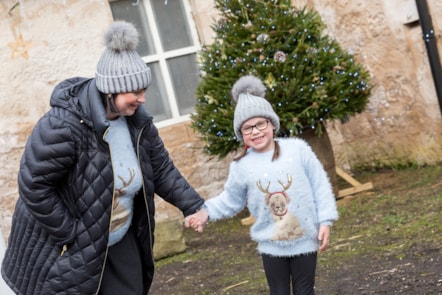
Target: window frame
{"points": [[161, 57]]}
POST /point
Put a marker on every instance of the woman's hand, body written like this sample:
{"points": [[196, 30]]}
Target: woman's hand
{"points": [[197, 221]]}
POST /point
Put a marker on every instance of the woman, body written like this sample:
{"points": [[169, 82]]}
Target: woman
{"points": [[84, 220]]}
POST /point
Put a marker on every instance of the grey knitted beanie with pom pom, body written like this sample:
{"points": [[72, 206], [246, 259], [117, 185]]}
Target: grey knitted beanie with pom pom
{"points": [[249, 92], [120, 68]]}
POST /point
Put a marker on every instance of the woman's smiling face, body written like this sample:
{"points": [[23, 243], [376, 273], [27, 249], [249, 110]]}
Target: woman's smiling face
{"points": [[128, 103]]}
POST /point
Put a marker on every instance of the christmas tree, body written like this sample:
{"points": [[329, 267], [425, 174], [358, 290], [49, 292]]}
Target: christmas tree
{"points": [[310, 79]]}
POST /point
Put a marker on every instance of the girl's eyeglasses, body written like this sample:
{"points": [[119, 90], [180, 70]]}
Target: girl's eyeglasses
{"points": [[260, 125]]}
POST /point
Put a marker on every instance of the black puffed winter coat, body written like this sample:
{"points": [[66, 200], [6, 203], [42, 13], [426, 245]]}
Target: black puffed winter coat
{"points": [[60, 227]]}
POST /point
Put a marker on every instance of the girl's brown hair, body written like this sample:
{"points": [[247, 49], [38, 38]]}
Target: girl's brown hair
{"points": [[243, 153]]}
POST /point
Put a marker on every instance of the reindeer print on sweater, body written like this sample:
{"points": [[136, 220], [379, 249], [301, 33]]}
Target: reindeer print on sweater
{"points": [[287, 226], [120, 213], [127, 178]]}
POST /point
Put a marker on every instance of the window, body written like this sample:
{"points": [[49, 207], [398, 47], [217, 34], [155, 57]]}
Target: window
{"points": [[169, 46]]}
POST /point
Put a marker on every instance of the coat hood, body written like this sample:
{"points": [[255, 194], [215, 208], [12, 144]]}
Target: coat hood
{"points": [[75, 95]]}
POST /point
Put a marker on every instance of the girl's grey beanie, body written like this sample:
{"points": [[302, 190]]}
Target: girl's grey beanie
{"points": [[249, 92]]}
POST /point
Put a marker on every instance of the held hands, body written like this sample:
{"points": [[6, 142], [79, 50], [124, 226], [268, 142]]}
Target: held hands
{"points": [[197, 221], [324, 237]]}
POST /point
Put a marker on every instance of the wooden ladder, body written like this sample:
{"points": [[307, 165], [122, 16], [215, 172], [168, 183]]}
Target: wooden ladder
{"points": [[357, 187]]}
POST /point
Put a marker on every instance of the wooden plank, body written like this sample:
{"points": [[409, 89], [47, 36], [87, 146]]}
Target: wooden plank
{"points": [[248, 220], [347, 177], [355, 189]]}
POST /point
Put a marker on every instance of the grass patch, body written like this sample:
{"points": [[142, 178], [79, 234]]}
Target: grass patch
{"points": [[402, 212]]}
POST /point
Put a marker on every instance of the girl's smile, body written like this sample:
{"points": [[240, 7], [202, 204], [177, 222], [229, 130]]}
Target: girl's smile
{"points": [[258, 134]]}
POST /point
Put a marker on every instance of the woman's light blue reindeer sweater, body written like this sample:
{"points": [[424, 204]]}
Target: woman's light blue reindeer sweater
{"points": [[289, 198]]}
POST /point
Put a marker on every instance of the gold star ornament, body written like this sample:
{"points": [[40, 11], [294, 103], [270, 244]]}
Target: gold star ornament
{"points": [[20, 47]]}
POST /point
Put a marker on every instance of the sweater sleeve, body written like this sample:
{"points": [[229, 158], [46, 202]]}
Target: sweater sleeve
{"points": [[48, 156], [231, 200], [321, 187]]}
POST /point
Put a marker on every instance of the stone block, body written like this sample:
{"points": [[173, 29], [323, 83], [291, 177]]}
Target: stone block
{"points": [[169, 238]]}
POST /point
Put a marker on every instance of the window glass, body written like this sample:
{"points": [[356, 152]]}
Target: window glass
{"points": [[184, 73], [126, 10], [156, 102], [168, 47], [173, 31]]}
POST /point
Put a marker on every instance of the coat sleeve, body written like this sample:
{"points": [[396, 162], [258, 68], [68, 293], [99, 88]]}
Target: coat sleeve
{"points": [[169, 183], [49, 154]]}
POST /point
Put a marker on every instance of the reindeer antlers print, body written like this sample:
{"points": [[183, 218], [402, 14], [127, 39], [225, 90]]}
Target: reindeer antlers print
{"points": [[127, 183], [121, 191], [284, 186]]}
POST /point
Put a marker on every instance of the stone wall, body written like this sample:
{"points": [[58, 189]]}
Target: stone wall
{"points": [[401, 124], [60, 39]]}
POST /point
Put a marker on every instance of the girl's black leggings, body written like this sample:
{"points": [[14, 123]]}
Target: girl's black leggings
{"points": [[297, 271]]}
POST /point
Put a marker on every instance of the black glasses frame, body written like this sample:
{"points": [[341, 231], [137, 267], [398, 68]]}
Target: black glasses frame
{"points": [[260, 125]]}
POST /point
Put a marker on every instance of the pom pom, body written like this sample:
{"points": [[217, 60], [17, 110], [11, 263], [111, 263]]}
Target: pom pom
{"points": [[248, 84], [121, 36]]}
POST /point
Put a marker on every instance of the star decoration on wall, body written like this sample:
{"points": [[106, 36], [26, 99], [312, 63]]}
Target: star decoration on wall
{"points": [[20, 47]]}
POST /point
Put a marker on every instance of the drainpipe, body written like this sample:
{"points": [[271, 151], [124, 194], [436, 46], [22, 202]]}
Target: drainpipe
{"points": [[431, 45]]}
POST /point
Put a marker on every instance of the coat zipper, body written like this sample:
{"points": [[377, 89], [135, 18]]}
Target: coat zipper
{"points": [[145, 196], [144, 192], [112, 209], [64, 249]]}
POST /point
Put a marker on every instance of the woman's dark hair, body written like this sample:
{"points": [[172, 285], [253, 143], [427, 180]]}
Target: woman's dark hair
{"points": [[109, 100]]}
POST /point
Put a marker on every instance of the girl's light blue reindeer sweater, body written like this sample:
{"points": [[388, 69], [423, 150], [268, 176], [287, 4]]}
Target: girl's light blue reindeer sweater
{"points": [[289, 198]]}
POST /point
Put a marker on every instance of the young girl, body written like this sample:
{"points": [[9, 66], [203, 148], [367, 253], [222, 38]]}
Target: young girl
{"points": [[284, 187]]}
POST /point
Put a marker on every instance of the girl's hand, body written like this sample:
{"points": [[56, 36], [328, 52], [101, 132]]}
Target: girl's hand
{"points": [[324, 237]]}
